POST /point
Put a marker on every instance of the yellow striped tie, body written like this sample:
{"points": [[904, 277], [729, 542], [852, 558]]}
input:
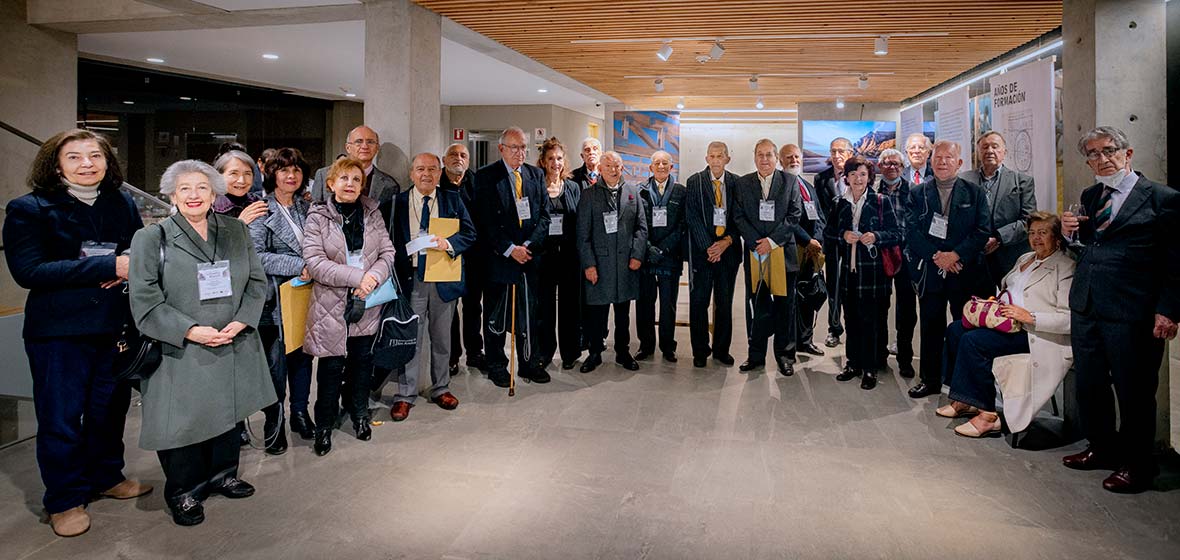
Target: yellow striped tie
{"points": [[519, 192], [720, 230]]}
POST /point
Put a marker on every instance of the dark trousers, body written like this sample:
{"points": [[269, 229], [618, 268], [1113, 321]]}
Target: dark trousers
{"points": [[905, 315], [1126, 356], [471, 313], [932, 309], [80, 413], [714, 282], [832, 277], [865, 318], [498, 299], [773, 315], [596, 327], [804, 313], [353, 371], [967, 362], [194, 469], [667, 289], [559, 299], [287, 370]]}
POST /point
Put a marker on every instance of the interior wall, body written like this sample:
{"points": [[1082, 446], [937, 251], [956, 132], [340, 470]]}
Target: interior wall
{"points": [[569, 126], [695, 138], [850, 112]]}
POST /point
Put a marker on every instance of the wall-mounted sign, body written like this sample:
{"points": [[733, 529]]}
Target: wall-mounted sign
{"points": [[458, 134]]}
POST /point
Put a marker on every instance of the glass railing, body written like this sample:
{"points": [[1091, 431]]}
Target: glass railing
{"points": [[151, 209]]}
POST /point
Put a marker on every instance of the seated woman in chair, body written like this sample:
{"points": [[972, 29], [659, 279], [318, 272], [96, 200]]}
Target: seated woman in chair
{"points": [[1039, 285]]}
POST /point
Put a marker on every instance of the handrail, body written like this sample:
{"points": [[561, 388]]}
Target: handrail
{"points": [[21, 134]]}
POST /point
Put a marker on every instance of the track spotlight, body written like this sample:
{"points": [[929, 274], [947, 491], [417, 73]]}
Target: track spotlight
{"points": [[680, 104], [759, 104], [839, 102], [753, 83], [881, 45], [863, 81], [717, 51], [659, 85], [665, 51]]}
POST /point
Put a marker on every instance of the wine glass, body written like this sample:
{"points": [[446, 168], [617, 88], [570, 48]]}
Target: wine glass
{"points": [[1076, 209]]}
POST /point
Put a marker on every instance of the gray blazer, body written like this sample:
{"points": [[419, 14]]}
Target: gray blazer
{"points": [[611, 253], [382, 189], [1015, 200], [198, 392], [280, 251]]}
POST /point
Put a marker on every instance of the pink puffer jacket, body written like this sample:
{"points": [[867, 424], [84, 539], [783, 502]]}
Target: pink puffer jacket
{"points": [[326, 254]]}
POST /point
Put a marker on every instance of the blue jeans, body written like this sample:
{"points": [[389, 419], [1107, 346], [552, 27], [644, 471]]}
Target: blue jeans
{"points": [[80, 415], [292, 369], [967, 362]]}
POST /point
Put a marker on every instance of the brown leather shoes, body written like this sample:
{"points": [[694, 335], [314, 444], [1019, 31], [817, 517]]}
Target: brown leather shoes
{"points": [[1088, 460], [400, 411], [446, 401], [127, 489], [1128, 481], [71, 522]]}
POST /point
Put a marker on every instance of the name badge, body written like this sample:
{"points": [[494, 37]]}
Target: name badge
{"points": [[356, 259], [718, 217], [523, 212], [555, 227], [766, 210], [610, 221], [809, 208], [938, 226], [659, 217], [96, 249], [213, 280]]}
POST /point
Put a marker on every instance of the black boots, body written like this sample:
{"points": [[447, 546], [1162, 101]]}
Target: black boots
{"points": [[274, 436], [323, 441], [301, 424], [364, 431]]}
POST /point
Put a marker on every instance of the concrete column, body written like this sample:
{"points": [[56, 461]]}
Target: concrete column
{"points": [[1115, 71], [403, 67]]}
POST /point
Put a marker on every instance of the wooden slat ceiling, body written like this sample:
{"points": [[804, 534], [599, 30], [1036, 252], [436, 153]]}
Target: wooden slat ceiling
{"points": [[978, 30]]}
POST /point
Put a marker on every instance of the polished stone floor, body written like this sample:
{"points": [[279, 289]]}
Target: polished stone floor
{"points": [[667, 462]]}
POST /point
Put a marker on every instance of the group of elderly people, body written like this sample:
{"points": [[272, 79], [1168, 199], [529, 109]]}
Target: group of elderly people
{"points": [[549, 253]]}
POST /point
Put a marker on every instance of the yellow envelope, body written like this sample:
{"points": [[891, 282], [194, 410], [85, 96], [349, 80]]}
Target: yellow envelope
{"points": [[293, 304], [440, 267], [773, 271]]}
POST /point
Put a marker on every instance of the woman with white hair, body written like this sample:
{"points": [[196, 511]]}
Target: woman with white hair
{"points": [[198, 287]]}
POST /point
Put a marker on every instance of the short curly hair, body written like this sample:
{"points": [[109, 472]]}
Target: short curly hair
{"points": [[172, 175]]}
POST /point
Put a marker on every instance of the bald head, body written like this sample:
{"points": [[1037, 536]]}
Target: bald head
{"points": [[362, 144], [791, 158], [456, 160]]}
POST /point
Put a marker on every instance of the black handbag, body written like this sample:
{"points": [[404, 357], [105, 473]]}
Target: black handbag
{"points": [[138, 356], [397, 334]]}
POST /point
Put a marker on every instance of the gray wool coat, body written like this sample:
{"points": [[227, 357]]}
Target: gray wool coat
{"points": [[326, 253], [611, 253], [279, 249], [198, 392]]}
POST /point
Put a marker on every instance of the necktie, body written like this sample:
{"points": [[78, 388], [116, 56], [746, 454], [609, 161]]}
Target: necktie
{"points": [[660, 188], [519, 191], [1105, 210], [917, 177], [803, 192], [424, 225], [593, 177], [717, 202]]}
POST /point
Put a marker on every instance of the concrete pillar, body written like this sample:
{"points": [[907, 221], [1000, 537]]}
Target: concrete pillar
{"points": [[1115, 61], [403, 68]]}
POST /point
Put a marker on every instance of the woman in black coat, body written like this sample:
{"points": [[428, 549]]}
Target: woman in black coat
{"points": [[863, 226], [66, 242], [559, 290]]}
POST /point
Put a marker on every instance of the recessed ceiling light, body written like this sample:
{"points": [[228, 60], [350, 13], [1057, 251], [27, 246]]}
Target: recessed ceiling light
{"points": [[665, 51], [155, 60], [717, 50], [350, 94], [185, 98], [129, 103], [270, 56], [862, 82], [839, 102], [753, 83], [542, 90]]}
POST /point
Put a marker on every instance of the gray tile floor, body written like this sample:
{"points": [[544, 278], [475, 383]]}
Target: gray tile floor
{"points": [[667, 462]]}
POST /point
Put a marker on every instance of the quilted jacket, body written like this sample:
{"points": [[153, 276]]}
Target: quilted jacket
{"points": [[326, 254]]}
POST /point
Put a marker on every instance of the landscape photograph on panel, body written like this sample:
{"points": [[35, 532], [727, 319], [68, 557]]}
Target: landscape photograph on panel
{"points": [[868, 139]]}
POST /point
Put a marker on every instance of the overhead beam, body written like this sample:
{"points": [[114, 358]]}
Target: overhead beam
{"points": [[123, 16], [185, 6]]}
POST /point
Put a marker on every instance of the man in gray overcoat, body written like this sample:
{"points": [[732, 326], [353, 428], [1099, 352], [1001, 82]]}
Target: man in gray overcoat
{"points": [[1011, 197], [612, 240]]}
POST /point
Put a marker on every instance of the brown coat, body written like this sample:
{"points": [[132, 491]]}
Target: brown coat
{"points": [[326, 254]]}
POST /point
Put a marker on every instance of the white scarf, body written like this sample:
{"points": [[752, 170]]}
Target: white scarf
{"points": [[87, 195]]}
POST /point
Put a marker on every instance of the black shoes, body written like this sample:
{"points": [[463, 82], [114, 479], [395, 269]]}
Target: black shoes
{"points": [[592, 361], [848, 373], [644, 354], [627, 361], [832, 341], [301, 424], [810, 348], [868, 380], [275, 437], [186, 510], [323, 441], [725, 359], [698, 362], [454, 370], [785, 366], [924, 390], [364, 431], [906, 371], [500, 378], [670, 357], [750, 365], [535, 375], [233, 488], [568, 365], [477, 361]]}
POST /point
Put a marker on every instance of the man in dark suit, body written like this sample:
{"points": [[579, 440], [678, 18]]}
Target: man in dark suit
{"points": [[513, 216], [894, 186], [409, 216], [612, 241], [917, 151], [458, 178], [830, 186], [809, 234], [945, 233], [663, 206], [767, 209], [1011, 198], [587, 174], [1125, 305], [363, 145], [713, 260]]}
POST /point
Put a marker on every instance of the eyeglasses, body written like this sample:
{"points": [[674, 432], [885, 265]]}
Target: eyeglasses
{"points": [[359, 142], [516, 147], [889, 164], [1109, 152]]}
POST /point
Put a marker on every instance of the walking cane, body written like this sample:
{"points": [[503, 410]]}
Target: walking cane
{"points": [[512, 349]]}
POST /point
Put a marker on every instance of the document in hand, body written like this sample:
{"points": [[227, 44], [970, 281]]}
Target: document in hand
{"points": [[293, 304], [440, 267], [771, 269]]}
